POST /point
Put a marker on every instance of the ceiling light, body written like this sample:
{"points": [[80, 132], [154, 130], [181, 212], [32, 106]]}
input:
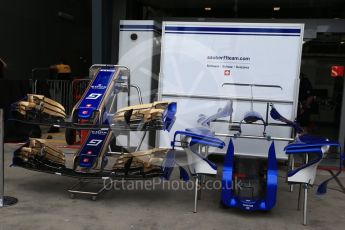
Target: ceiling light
{"points": [[342, 42], [208, 8], [276, 8]]}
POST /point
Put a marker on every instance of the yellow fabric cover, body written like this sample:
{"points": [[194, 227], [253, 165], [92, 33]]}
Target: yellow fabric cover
{"points": [[39, 148], [149, 159]]}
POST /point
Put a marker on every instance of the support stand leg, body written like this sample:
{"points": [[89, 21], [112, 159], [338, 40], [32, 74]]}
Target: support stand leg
{"points": [[196, 193], [299, 197], [201, 185], [291, 166], [305, 207]]}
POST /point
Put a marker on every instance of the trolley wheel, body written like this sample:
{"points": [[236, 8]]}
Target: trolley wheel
{"points": [[94, 198], [70, 136], [72, 195]]}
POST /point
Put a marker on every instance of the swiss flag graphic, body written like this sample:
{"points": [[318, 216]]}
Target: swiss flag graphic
{"points": [[227, 72]]}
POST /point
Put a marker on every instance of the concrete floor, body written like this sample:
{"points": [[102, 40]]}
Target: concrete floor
{"points": [[44, 203]]}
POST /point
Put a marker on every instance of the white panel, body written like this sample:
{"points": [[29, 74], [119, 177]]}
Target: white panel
{"points": [[139, 55], [197, 63], [200, 76], [142, 57]]}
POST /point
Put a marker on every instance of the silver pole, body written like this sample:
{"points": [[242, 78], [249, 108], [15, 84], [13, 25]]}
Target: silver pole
{"points": [[196, 193], [255, 85], [34, 87], [4, 200], [292, 166], [201, 183], [263, 100], [341, 138], [299, 197], [139, 93], [141, 141], [254, 137], [305, 207]]}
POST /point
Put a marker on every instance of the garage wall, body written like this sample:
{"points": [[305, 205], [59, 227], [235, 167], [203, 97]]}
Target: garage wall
{"points": [[34, 35]]}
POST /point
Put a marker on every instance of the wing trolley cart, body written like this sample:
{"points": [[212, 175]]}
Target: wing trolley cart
{"points": [[196, 143], [98, 113], [312, 150], [250, 182], [193, 141], [4, 200]]}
